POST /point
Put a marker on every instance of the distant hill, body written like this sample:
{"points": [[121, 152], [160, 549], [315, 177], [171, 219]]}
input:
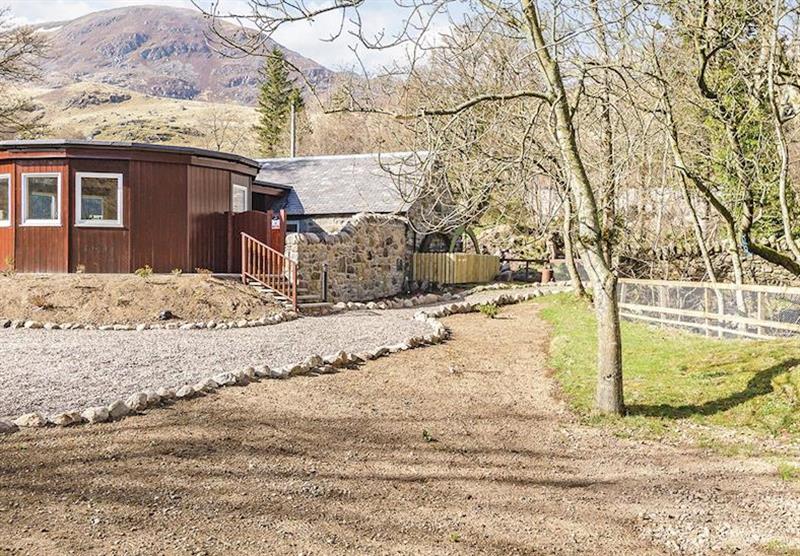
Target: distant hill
{"points": [[157, 51]]}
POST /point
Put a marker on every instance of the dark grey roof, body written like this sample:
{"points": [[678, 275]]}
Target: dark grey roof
{"points": [[41, 144], [345, 184]]}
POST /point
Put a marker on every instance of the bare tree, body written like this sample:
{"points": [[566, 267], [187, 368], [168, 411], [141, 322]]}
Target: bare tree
{"points": [[225, 131], [21, 50], [550, 40]]}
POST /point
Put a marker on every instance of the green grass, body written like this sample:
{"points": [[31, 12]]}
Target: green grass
{"points": [[672, 375], [788, 471], [778, 548]]}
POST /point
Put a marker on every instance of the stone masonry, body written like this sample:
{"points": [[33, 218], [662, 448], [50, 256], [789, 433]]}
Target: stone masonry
{"points": [[367, 259], [678, 262]]}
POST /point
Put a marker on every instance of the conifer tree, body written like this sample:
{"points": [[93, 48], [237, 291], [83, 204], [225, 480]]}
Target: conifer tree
{"points": [[274, 104]]}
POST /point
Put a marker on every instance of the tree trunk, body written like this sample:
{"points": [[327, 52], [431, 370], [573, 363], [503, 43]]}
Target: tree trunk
{"points": [[590, 229], [569, 250], [609, 397]]}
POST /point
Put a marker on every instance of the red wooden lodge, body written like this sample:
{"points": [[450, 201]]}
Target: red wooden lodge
{"points": [[115, 207]]}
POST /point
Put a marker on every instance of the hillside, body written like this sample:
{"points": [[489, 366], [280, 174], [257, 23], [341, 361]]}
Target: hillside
{"points": [[108, 113], [157, 51]]}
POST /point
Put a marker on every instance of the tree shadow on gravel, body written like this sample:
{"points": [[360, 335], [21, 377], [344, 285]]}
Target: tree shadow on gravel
{"points": [[759, 385]]}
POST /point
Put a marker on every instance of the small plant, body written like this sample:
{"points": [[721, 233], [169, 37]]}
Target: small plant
{"points": [[455, 537], [10, 268], [80, 269], [788, 472], [177, 272], [427, 436], [145, 272], [489, 309], [39, 301], [204, 271]]}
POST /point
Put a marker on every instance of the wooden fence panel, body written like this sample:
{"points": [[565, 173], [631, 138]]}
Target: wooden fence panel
{"points": [[455, 268]]}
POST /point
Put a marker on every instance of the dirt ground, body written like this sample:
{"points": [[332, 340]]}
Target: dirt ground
{"points": [[461, 448], [126, 298]]}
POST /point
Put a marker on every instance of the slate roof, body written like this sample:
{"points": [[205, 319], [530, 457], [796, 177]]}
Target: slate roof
{"points": [[343, 184]]}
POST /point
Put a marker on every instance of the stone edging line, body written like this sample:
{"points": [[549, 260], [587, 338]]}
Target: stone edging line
{"points": [[284, 316], [314, 365]]}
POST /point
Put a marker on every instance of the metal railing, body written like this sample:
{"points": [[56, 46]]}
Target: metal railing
{"points": [[268, 267], [718, 309]]}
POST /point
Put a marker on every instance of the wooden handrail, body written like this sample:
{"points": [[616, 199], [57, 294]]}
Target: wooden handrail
{"points": [[268, 267]]}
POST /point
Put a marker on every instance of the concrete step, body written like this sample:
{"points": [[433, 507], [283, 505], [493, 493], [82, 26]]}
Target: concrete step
{"points": [[317, 308]]}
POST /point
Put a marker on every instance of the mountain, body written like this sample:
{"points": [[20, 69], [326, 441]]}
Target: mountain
{"points": [[158, 51]]}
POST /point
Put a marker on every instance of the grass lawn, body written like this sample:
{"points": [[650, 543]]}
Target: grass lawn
{"points": [[672, 375]]}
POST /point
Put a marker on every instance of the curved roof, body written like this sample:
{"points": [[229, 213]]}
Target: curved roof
{"points": [[49, 144]]}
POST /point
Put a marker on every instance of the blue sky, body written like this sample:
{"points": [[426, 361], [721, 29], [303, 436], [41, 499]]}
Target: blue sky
{"points": [[303, 38]]}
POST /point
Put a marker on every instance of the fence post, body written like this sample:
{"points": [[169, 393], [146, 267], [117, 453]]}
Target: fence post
{"points": [[706, 308], [760, 311], [663, 300], [325, 282], [244, 255]]}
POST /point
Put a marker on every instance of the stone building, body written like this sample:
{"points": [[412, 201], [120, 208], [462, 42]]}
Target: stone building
{"points": [[323, 192]]}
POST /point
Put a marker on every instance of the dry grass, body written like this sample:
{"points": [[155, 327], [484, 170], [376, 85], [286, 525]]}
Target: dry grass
{"points": [[126, 298]]}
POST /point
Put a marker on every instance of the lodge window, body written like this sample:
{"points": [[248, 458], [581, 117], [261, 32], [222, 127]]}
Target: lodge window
{"points": [[292, 226], [41, 199], [98, 199], [5, 200], [239, 198]]}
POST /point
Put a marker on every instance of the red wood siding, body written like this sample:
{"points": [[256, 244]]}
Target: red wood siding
{"points": [[253, 223], [7, 233], [158, 216], [209, 199], [101, 249], [42, 249], [174, 212]]}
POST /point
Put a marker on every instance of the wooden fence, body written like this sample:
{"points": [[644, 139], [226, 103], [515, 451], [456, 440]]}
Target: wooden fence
{"points": [[721, 309], [455, 268]]}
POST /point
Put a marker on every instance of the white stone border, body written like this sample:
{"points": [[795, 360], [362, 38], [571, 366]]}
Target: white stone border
{"points": [[316, 364], [283, 316], [396, 302]]}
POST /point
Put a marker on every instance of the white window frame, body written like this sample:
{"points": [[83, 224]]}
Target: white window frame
{"points": [[80, 223], [7, 222], [234, 187], [49, 223]]}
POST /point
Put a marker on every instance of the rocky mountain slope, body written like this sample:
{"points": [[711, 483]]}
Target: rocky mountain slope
{"points": [[157, 51]]}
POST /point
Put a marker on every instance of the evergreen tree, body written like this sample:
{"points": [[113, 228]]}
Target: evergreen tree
{"points": [[274, 104]]}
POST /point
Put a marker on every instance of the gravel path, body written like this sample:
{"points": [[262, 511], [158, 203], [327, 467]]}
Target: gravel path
{"points": [[57, 371], [461, 448]]}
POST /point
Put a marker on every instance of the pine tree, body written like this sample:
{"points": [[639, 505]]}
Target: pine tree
{"points": [[274, 104]]}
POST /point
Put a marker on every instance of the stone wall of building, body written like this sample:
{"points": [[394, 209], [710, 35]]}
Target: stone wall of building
{"points": [[676, 262], [367, 259]]}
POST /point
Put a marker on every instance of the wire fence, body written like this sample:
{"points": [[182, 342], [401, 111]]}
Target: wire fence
{"points": [[722, 310]]}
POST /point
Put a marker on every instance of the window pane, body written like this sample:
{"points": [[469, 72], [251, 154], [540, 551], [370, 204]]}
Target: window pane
{"points": [[42, 200], [5, 208], [239, 199], [99, 199]]}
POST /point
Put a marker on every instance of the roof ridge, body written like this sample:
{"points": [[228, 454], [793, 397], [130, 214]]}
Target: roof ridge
{"points": [[337, 156]]}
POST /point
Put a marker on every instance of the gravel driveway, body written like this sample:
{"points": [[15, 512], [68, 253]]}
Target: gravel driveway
{"points": [[57, 371]]}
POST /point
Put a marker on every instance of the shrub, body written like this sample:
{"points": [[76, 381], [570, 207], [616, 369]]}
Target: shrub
{"points": [[489, 309], [39, 301], [145, 272], [10, 266], [204, 271], [177, 271], [788, 472]]}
